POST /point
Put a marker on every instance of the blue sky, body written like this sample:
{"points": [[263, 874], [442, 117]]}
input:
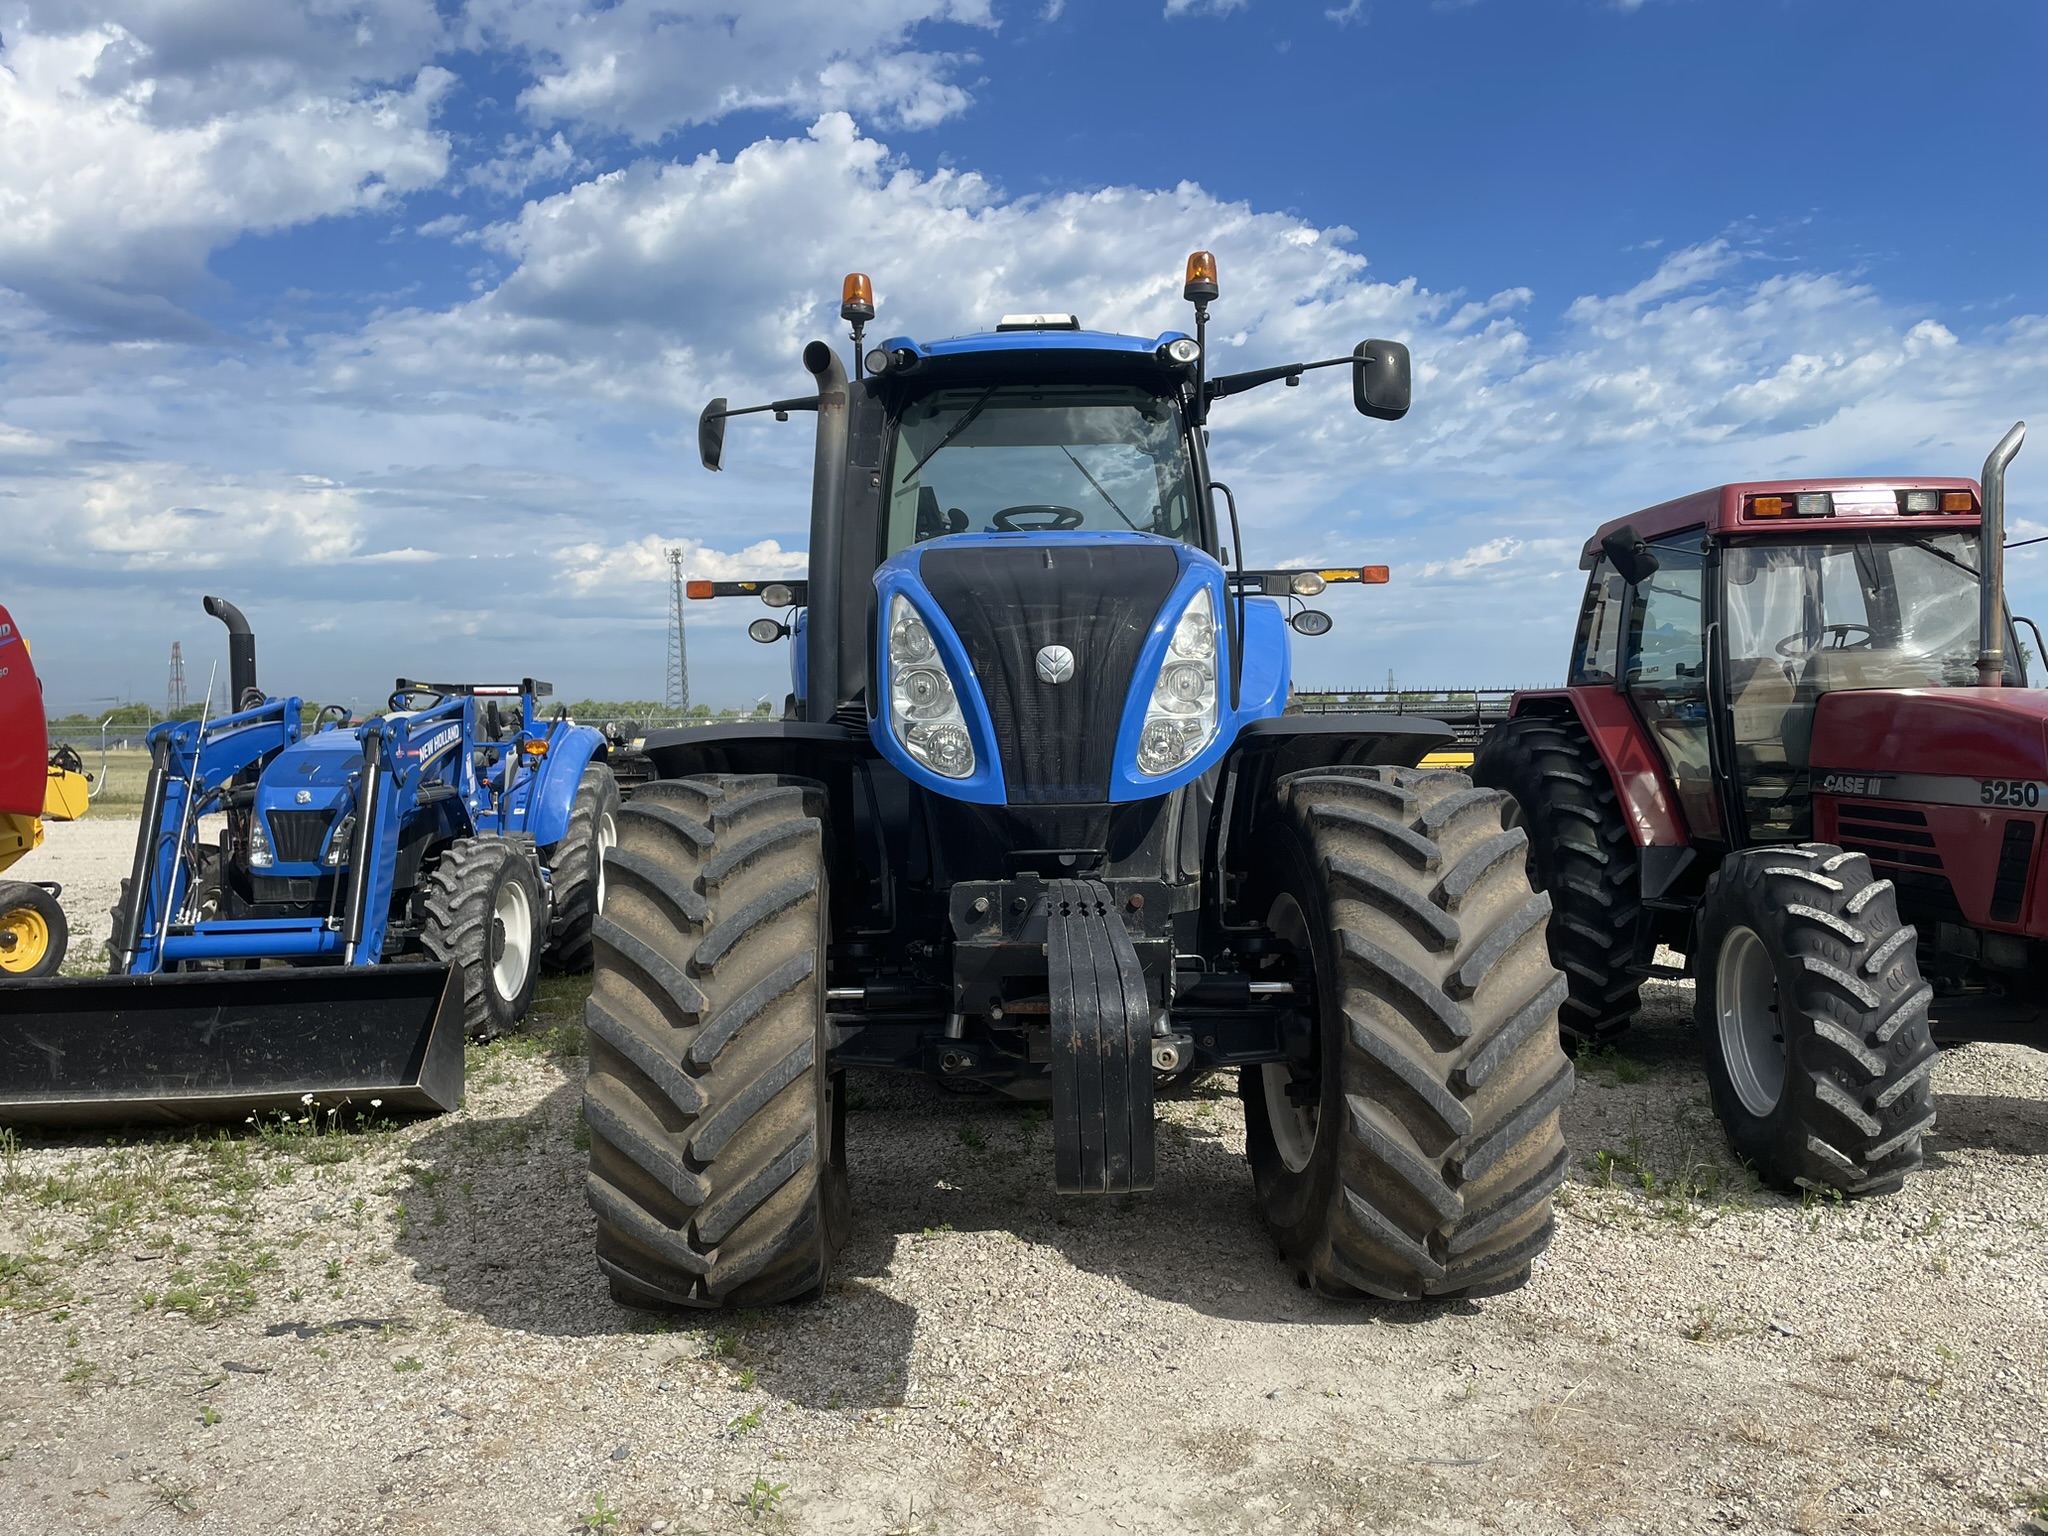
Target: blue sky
{"points": [[389, 319]]}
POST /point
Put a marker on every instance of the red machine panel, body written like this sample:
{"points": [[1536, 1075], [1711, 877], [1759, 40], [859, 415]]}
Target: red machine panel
{"points": [[1945, 789], [24, 738], [1631, 760]]}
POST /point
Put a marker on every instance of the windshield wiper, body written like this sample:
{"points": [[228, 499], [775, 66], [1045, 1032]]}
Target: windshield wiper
{"points": [[1940, 554], [1119, 511], [952, 432]]}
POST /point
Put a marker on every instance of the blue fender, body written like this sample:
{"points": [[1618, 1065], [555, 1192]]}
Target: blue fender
{"points": [[541, 801]]}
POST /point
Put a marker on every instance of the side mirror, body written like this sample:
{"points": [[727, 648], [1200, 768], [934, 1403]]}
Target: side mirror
{"points": [[711, 434], [1628, 554], [1311, 621], [1379, 380]]}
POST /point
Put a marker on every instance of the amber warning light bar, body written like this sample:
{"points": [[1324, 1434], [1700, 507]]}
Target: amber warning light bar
{"points": [[1861, 503]]}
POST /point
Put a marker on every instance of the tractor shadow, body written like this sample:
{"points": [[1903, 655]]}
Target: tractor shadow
{"points": [[1987, 1122], [926, 1161], [496, 1220]]}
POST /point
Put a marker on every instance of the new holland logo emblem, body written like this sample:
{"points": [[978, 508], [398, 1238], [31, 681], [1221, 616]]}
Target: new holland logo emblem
{"points": [[1055, 664]]}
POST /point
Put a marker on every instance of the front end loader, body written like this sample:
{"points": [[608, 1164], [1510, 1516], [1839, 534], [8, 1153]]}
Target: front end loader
{"points": [[323, 909], [1041, 824]]}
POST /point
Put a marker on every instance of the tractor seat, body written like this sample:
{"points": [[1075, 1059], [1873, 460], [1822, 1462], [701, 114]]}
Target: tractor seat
{"points": [[1760, 695], [933, 523]]}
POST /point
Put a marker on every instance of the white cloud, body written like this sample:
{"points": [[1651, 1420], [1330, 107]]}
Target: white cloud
{"points": [[1477, 558], [591, 567], [1203, 7], [520, 163], [165, 516], [646, 68], [107, 214]]}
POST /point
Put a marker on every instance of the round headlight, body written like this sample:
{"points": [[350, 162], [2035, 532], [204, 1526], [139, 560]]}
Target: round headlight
{"points": [[1162, 745], [1183, 351], [945, 747], [878, 360], [1183, 685], [777, 594], [767, 631], [1306, 583], [924, 690], [910, 640], [1194, 635], [1311, 621]]}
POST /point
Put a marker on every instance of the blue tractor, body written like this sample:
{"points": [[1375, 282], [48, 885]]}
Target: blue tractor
{"points": [[1040, 822], [325, 908]]}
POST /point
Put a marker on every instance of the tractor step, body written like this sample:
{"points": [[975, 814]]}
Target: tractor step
{"points": [[223, 1045], [1101, 1041]]}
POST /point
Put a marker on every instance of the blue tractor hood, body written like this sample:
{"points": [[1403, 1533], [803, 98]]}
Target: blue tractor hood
{"points": [[993, 604], [304, 792]]}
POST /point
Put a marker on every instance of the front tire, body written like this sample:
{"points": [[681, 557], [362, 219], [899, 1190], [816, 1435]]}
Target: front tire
{"points": [[1414, 1150], [717, 1132], [1813, 1017], [1582, 853], [576, 868], [482, 906], [33, 933]]}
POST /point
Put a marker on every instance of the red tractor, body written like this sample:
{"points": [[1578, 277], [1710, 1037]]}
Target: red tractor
{"points": [[1797, 746]]}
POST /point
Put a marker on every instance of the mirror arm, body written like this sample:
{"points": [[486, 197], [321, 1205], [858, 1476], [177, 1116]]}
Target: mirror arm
{"points": [[1238, 383], [781, 408]]}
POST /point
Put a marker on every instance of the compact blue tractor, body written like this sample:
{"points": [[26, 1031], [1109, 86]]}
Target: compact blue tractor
{"points": [[1040, 823], [325, 909]]}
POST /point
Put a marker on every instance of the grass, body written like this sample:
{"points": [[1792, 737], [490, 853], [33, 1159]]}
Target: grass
{"points": [[764, 1498], [603, 1515], [222, 1289]]}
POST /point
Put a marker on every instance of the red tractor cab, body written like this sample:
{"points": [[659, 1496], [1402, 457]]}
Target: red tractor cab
{"points": [[1797, 745]]}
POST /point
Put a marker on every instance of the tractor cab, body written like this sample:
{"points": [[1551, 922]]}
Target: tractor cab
{"points": [[1751, 604]]}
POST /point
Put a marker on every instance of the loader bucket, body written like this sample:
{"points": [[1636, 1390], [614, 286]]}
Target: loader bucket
{"points": [[223, 1045]]}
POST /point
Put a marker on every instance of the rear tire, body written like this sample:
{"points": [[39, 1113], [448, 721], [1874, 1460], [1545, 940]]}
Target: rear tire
{"points": [[576, 868], [33, 933], [1581, 852], [482, 906], [1427, 1163], [717, 1133], [1813, 1017]]}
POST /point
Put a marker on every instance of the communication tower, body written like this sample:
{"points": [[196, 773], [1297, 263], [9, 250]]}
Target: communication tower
{"points": [[678, 655], [174, 695]]}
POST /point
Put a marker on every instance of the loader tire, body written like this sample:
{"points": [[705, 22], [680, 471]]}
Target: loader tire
{"points": [[1813, 1017], [482, 915], [202, 903], [33, 933], [576, 868], [1413, 1148], [717, 1133], [1581, 852]]}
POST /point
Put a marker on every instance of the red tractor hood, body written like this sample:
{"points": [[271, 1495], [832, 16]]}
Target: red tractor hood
{"points": [[1971, 733]]}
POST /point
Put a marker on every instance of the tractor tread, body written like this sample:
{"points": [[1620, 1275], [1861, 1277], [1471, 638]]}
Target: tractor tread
{"points": [[456, 901], [1450, 1064], [1582, 853], [715, 1163], [1856, 1098]]}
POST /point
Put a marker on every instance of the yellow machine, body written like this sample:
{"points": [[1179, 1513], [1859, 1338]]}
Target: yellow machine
{"points": [[36, 785]]}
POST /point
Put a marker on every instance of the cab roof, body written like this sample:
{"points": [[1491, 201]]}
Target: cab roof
{"points": [[1054, 354], [1861, 505]]}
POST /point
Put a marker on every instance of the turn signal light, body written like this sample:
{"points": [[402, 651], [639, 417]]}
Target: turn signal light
{"points": [[857, 297], [1201, 285], [698, 589], [534, 749], [1769, 506], [1375, 575], [1958, 501]]}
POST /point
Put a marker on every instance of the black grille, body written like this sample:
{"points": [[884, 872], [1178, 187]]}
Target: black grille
{"points": [[299, 837], [1057, 741], [1895, 841], [2009, 889]]}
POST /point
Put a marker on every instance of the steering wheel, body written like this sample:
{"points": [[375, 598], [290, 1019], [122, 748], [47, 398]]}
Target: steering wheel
{"points": [[402, 701], [1794, 647], [338, 711], [1060, 518]]}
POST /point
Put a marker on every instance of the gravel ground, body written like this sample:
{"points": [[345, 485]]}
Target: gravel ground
{"points": [[401, 1329]]}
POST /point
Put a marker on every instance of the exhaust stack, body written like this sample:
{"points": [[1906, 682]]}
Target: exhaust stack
{"points": [[241, 654], [1991, 589]]}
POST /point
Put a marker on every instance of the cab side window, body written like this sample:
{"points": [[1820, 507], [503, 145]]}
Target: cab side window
{"points": [[1665, 661], [1596, 651]]}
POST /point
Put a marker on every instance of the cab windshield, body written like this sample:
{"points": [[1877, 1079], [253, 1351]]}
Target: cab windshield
{"points": [[1806, 619], [1030, 458]]}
